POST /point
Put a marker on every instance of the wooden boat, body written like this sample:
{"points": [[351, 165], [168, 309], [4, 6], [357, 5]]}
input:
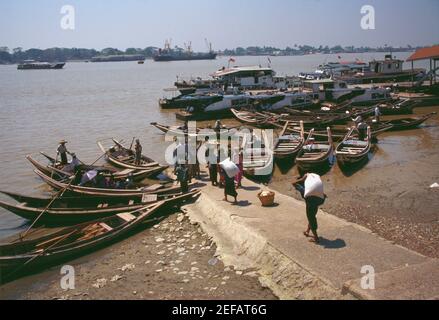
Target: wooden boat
{"points": [[352, 150], [123, 157], [180, 130], [257, 154], [337, 132], [289, 144], [314, 155], [64, 184], [254, 119], [57, 169], [43, 247], [403, 107], [406, 123], [176, 130], [63, 213], [348, 113]]}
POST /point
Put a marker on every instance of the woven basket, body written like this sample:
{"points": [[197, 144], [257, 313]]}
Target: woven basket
{"points": [[266, 197]]}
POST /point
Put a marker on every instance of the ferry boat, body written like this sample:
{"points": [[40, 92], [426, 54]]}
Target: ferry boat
{"points": [[339, 91], [35, 65], [357, 72]]}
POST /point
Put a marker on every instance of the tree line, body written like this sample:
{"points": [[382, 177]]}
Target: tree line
{"points": [[17, 55]]}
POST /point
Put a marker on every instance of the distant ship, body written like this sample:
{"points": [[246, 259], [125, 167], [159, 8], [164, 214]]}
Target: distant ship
{"points": [[34, 65], [178, 54], [119, 58]]}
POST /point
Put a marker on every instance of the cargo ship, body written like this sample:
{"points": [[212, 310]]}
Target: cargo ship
{"points": [[179, 54], [35, 65]]}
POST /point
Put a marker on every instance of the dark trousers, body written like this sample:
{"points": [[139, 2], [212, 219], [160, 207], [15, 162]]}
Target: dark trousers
{"points": [[63, 158], [312, 206], [213, 173], [184, 186]]}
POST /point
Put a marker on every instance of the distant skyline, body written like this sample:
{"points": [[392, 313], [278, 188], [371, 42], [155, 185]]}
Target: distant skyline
{"points": [[227, 24]]}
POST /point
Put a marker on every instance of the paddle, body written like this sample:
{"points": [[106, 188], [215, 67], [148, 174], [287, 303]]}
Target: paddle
{"points": [[59, 194], [132, 141], [42, 252]]}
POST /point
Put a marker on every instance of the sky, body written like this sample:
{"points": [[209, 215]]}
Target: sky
{"points": [[225, 23]]}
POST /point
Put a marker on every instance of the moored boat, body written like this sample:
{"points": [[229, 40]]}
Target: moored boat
{"points": [[60, 170], [121, 156], [315, 154], [289, 144], [43, 247], [71, 210], [406, 123], [257, 152], [352, 149], [65, 184]]}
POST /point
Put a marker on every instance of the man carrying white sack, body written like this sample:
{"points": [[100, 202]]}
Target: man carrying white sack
{"points": [[312, 192]]}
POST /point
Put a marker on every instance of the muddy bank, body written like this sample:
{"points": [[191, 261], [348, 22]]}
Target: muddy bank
{"points": [[172, 260], [391, 194]]}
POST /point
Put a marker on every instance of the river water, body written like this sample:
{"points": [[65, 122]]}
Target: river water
{"points": [[86, 102]]}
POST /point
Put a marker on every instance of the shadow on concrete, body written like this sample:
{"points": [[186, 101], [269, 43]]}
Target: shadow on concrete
{"points": [[332, 244], [274, 205], [249, 188], [243, 203]]}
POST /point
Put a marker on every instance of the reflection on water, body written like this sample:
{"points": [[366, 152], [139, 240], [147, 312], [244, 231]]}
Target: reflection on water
{"points": [[86, 102]]}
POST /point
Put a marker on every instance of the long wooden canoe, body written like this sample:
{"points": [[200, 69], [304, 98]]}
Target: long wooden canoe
{"points": [[57, 170], [406, 123], [289, 144], [43, 247], [315, 154], [123, 157], [257, 154], [60, 213], [59, 184], [352, 150], [254, 119]]}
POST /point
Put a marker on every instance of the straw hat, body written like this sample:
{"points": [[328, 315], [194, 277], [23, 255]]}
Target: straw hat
{"points": [[63, 141]]}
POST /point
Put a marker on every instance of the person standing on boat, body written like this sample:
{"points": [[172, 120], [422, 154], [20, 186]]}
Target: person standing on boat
{"points": [[62, 152], [310, 187], [361, 127], [377, 114], [181, 172], [138, 152]]}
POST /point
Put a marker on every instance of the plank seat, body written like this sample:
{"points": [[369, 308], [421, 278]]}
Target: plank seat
{"points": [[128, 217]]}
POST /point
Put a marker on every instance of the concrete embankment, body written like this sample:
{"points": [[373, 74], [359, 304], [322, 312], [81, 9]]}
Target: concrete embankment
{"points": [[271, 240]]}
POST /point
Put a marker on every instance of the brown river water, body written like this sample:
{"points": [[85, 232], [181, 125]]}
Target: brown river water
{"points": [[87, 102]]}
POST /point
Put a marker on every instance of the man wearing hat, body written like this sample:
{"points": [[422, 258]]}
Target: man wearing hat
{"points": [[62, 151]]}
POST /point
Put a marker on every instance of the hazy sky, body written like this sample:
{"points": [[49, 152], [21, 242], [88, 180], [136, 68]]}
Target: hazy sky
{"points": [[226, 23]]}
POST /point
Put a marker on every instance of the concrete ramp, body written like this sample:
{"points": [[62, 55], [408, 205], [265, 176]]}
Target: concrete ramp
{"points": [[271, 240]]}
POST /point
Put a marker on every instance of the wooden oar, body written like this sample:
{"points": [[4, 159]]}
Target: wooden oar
{"points": [[40, 253], [58, 195]]}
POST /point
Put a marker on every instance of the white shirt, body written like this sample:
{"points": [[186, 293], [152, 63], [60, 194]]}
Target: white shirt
{"points": [[377, 112]]}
